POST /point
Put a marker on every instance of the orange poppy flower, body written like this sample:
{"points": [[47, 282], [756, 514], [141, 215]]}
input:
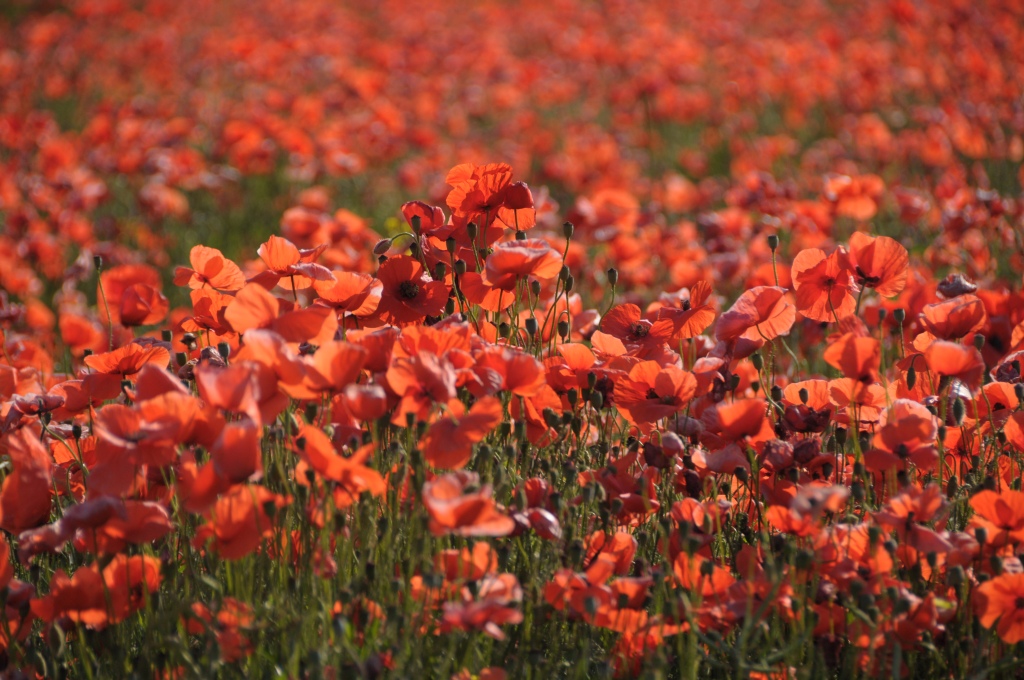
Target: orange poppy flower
{"points": [[349, 472], [513, 261], [858, 357], [1001, 515], [255, 307], [209, 268], [653, 392], [409, 295], [639, 335], [25, 495], [351, 293], [954, 319], [457, 504], [289, 267], [956, 361], [880, 263], [1002, 599], [129, 359], [238, 522], [693, 315], [449, 441], [759, 314], [116, 281], [823, 284], [478, 189], [143, 305]]}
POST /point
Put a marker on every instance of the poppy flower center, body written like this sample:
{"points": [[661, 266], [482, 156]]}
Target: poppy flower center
{"points": [[1019, 603], [686, 305], [639, 330], [408, 290], [902, 451]]}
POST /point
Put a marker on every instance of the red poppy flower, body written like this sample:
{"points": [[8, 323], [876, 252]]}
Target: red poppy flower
{"points": [[1002, 599], [449, 441], [823, 284], [457, 504], [880, 263], [759, 314], [409, 294], [209, 268]]}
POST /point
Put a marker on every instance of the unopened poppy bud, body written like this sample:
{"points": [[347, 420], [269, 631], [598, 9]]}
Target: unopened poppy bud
{"points": [[520, 235], [166, 335], [955, 576], [571, 396], [449, 307], [773, 242], [597, 400], [570, 282], [874, 535], [97, 261], [535, 288], [911, 377], [518, 196], [310, 412], [472, 231], [460, 267], [841, 436], [757, 360], [959, 411], [439, 271], [76, 431], [981, 535], [383, 246], [742, 474], [531, 326], [414, 248], [857, 491], [504, 329], [450, 245], [942, 433], [882, 313], [563, 329], [899, 315], [734, 383], [979, 341], [87, 352], [567, 230], [551, 418], [613, 275], [776, 392], [224, 349], [1018, 391], [952, 486], [520, 429], [996, 562], [415, 224], [591, 379], [804, 395], [563, 273], [707, 568], [181, 358]]}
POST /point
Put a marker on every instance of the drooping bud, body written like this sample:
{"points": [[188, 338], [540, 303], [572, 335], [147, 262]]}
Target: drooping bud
{"points": [[383, 246]]}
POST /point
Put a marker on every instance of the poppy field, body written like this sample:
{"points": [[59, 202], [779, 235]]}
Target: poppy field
{"points": [[548, 339]]}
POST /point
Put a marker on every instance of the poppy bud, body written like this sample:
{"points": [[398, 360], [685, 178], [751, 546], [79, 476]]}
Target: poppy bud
{"points": [[952, 486], [76, 431], [874, 534], [569, 283], [472, 231], [383, 246], [773, 242], [439, 271], [899, 315], [535, 288], [996, 562], [571, 396], [955, 576], [415, 224], [97, 261], [504, 329], [890, 546], [597, 400], [181, 358], [414, 248], [882, 313], [518, 196], [551, 418], [932, 558], [531, 326], [520, 429], [460, 267], [707, 568], [567, 230], [224, 349], [310, 412], [613, 275], [86, 352], [166, 335], [911, 377], [563, 273], [591, 379], [450, 245], [1018, 391], [981, 535], [959, 411], [563, 329], [979, 341], [841, 436], [942, 433], [804, 559], [857, 491], [520, 235], [742, 474], [758, 361], [776, 393], [449, 307]]}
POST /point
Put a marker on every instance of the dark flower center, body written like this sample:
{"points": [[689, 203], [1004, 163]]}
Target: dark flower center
{"points": [[408, 290], [639, 330]]}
